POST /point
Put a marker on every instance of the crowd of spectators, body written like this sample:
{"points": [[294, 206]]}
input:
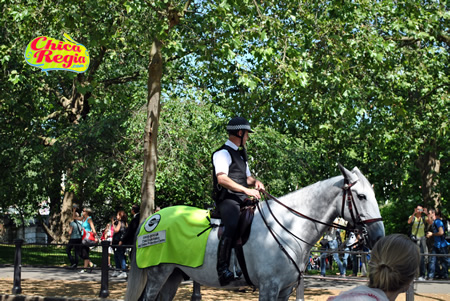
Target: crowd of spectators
{"points": [[428, 230], [118, 232]]}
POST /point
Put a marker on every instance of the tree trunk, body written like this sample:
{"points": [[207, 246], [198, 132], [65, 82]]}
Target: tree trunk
{"points": [[429, 165], [58, 229], [155, 70]]}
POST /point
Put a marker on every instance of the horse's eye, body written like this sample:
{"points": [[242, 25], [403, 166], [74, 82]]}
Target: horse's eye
{"points": [[362, 197]]}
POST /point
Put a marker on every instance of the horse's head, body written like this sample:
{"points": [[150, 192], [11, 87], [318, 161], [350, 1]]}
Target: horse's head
{"points": [[360, 207]]}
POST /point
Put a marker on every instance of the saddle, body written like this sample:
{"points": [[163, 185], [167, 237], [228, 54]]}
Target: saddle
{"points": [[242, 234], [243, 229]]}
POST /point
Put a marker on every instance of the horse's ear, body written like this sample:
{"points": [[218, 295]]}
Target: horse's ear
{"points": [[348, 175]]}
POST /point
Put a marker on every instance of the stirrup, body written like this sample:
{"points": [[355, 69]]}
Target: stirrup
{"points": [[226, 277]]}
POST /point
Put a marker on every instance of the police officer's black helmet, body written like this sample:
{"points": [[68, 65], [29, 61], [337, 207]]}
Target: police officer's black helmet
{"points": [[238, 123]]}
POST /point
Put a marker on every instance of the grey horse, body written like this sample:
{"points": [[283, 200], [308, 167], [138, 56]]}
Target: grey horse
{"points": [[273, 271]]}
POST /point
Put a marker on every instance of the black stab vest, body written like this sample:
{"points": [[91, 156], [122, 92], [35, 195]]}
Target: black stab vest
{"points": [[236, 172]]}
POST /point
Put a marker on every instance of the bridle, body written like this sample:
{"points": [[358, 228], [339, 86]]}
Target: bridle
{"points": [[359, 225], [346, 196]]}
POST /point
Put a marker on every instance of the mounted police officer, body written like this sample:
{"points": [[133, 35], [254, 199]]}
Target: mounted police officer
{"points": [[232, 181]]}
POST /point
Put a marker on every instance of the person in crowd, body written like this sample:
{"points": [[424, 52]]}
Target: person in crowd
{"points": [[438, 266], [393, 265], [232, 182], [120, 225], [419, 224], [330, 243], [351, 245], [340, 237], [74, 241], [314, 262], [88, 225], [130, 232], [362, 257], [108, 233]]}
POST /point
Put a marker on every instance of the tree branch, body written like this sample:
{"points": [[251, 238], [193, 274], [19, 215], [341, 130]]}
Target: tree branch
{"points": [[64, 101], [47, 141], [96, 64], [121, 79]]}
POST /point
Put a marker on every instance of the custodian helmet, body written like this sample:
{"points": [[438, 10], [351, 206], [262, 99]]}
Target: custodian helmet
{"points": [[238, 123]]}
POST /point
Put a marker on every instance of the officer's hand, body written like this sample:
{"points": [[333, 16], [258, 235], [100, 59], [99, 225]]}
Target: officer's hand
{"points": [[253, 193], [259, 185]]}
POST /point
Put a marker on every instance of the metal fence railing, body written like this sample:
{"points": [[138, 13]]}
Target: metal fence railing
{"points": [[44, 254], [55, 255]]}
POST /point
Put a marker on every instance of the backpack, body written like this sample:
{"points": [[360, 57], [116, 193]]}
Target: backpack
{"points": [[445, 227]]}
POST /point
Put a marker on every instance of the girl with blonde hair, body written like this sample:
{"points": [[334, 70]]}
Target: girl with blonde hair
{"points": [[393, 265]]}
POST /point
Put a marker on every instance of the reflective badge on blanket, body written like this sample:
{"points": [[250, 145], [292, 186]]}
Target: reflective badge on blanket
{"points": [[173, 235]]}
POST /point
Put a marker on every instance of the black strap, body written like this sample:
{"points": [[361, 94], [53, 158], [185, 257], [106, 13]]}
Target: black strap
{"points": [[211, 225], [302, 215], [284, 228], [78, 226], [241, 259], [300, 274], [243, 153]]}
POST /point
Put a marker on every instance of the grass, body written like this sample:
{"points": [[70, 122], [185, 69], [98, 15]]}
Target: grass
{"points": [[46, 255]]}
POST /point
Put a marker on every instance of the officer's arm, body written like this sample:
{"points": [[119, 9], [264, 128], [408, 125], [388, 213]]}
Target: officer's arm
{"points": [[252, 182], [228, 183]]}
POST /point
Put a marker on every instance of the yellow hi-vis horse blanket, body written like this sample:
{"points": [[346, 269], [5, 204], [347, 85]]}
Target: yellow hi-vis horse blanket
{"points": [[173, 235]]}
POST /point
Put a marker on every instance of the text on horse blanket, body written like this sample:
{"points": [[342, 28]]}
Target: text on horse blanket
{"points": [[171, 236]]}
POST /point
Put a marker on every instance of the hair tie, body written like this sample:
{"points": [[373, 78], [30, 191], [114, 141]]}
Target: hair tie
{"points": [[384, 265]]}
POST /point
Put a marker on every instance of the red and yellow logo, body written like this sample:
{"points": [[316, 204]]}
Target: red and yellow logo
{"points": [[50, 54]]}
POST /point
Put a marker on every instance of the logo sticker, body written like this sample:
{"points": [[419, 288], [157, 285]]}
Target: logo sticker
{"points": [[152, 223], [51, 54]]}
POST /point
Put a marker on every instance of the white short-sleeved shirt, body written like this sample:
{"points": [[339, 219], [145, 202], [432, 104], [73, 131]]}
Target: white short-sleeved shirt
{"points": [[222, 160]]}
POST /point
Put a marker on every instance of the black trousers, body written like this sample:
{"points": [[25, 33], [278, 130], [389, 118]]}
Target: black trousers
{"points": [[229, 213], [73, 244]]}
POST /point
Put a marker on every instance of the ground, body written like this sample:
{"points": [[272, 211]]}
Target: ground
{"points": [[90, 290]]}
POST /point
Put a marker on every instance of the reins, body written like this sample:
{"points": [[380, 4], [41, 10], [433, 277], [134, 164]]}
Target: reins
{"points": [[347, 195], [268, 195]]}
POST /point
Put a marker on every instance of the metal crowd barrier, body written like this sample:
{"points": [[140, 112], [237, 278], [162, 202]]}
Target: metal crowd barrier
{"points": [[196, 294]]}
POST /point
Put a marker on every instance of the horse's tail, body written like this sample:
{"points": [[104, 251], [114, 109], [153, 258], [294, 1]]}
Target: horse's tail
{"points": [[137, 279]]}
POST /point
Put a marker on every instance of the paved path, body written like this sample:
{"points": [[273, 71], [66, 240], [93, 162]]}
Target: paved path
{"points": [[437, 287]]}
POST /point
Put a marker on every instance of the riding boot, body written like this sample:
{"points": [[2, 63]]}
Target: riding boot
{"points": [[223, 261]]}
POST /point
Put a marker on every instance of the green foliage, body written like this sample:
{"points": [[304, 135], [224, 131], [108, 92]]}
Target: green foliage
{"points": [[364, 84]]}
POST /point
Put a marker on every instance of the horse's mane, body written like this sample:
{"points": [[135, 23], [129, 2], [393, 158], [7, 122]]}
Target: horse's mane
{"points": [[336, 182]]}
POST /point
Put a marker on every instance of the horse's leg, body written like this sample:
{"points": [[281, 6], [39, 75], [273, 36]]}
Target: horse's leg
{"points": [[268, 291], [300, 293], [157, 276], [170, 287], [137, 279], [285, 294]]}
